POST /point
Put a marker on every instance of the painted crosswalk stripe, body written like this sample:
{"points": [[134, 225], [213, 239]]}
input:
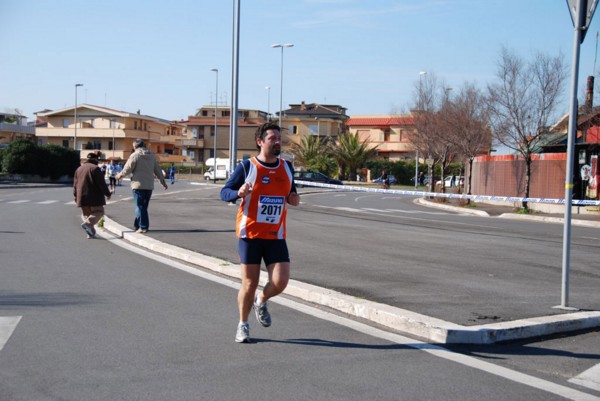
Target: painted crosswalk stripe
{"points": [[7, 326], [590, 378]]}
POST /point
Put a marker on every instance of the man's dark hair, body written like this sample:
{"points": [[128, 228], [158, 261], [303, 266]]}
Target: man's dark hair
{"points": [[261, 131], [138, 143]]}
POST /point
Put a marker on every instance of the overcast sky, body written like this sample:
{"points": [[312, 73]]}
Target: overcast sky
{"points": [[156, 55]]}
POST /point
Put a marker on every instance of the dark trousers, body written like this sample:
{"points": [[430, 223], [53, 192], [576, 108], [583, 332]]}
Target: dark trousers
{"points": [[141, 198]]}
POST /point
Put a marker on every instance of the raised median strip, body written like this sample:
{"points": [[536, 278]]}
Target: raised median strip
{"points": [[429, 328]]}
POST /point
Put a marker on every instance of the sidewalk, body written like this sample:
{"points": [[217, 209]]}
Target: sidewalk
{"points": [[187, 243]]}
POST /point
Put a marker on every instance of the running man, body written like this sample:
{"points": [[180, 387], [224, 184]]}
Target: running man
{"points": [[265, 183]]}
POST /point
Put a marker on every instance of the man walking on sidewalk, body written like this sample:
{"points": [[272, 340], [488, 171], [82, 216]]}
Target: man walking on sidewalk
{"points": [[89, 190], [265, 183], [143, 166]]}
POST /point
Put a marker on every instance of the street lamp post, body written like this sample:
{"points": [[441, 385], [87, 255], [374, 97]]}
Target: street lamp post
{"points": [[216, 70], [281, 79], [268, 88], [75, 135]]}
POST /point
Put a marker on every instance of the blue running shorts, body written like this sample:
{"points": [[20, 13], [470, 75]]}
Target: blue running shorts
{"points": [[253, 251]]}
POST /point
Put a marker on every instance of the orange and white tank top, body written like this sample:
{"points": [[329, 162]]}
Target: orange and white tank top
{"points": [[263, 211]]}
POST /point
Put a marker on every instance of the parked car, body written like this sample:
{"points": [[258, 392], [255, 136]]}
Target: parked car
{"points": [[315, 176], [391, 178], [460, 181]]}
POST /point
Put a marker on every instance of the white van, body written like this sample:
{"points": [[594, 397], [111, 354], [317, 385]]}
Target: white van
{"points": [[222, 172]]}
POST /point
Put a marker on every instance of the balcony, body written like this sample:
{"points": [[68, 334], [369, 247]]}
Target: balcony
{"points": [[17, 129], [193, 143]]}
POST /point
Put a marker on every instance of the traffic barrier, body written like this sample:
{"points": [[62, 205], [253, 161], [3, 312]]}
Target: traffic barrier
{"points": [[574, 202]]}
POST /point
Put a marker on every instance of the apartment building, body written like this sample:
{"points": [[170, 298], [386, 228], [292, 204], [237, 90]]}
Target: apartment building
{"points": [[112, 132], [202, 136], [14, 126], [391, 134], [305, 119]]}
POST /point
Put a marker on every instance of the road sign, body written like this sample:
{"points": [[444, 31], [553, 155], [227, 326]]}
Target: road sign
{"points": [[590, 6]]}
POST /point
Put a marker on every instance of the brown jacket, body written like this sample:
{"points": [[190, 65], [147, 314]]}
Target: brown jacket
{"points": [[89, 187]]}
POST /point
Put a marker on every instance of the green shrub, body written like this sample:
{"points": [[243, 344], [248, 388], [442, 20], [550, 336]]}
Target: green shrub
{"points": [[58, 161], [25, 157], [21, 157]]}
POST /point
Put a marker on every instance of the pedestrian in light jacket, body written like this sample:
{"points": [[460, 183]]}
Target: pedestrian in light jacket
{"points": [[143, 167]]}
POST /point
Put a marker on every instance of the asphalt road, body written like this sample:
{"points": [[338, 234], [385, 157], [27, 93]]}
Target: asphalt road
{"points": [[465, 269], [101, 322]]}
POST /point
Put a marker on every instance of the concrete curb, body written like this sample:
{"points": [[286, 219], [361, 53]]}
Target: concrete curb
{"points": [[514, 216], [456, 209], [431, 329]]}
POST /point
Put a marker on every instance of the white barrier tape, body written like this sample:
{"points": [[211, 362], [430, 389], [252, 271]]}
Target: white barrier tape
{"points": [[574, 202]]}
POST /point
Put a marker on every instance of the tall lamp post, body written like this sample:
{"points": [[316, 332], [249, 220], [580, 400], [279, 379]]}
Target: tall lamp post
{"points": [[268, 88], [216, 70], [75, 136], [281, 79]]}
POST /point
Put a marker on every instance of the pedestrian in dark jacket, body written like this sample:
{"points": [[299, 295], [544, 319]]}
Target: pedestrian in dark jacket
{"points": [[89, 189]]}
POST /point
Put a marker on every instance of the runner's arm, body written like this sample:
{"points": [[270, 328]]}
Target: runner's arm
{"points": [[229, 193]]}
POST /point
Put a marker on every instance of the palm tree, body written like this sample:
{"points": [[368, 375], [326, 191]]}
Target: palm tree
{"points": [[351, 153], [314, 153]]}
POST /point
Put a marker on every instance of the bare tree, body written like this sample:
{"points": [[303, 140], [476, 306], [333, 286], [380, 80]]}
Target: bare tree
{"points": [[432, 135], [469, 121], [523, 101]]}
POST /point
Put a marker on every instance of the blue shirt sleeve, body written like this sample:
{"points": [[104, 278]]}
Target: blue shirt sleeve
{"points": [[235, 181], [293, 189]]}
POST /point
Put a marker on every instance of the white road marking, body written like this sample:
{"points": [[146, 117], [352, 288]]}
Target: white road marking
{"points": [[20, 201], [46, 202], [590, 378], [7, 326], [432, 349]]}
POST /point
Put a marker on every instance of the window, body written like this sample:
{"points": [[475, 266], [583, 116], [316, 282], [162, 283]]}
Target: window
{"points": [[293, 129], [97, 145], [145, 127], [225, 113], [92, 123], [110, 145], [135, 125], [113, 123], [201, 133], [314, 129], [195, 133], [65, 122], [212, 130], [192, 154], [386, 135], [66, 143], [204, 113]]}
